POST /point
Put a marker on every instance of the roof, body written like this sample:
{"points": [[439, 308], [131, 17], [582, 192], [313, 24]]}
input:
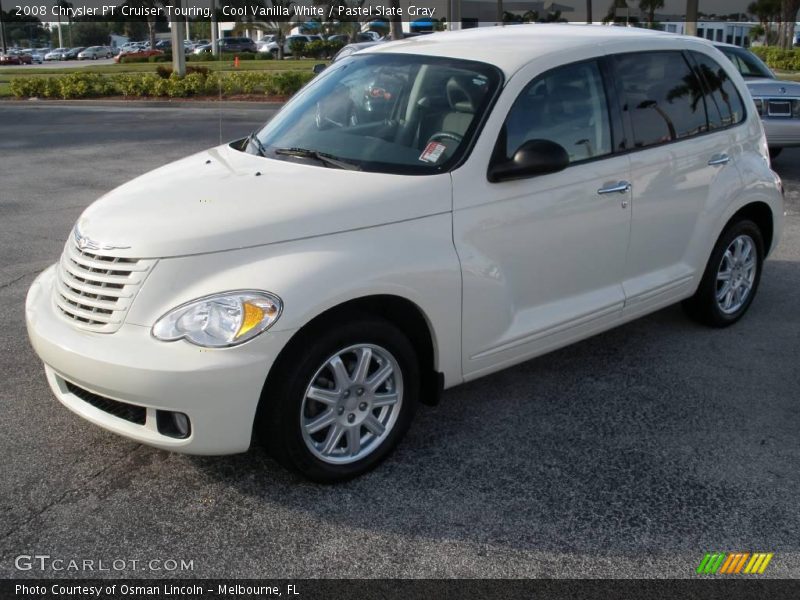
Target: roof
{"points": [[513, 46]]}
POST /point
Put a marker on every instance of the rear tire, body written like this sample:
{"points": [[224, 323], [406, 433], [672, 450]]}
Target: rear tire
{"points": [[731, 277], [308, 402]]}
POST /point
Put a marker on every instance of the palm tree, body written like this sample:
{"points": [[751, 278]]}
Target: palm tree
{"points": [[500, 11], [396, 24], [692, 9], [589, 11], [766, 11], [650, 7], [65, 5], [789, 9]]}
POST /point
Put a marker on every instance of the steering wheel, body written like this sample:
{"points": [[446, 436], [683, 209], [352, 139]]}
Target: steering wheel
{"points": [[445, 135], [323, 121]]}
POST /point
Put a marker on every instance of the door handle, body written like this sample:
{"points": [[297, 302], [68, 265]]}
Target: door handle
{"points": [[719, 159], [621, 187]]}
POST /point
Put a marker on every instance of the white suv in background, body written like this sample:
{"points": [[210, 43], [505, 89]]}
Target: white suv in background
{"points": [[424, 213]]}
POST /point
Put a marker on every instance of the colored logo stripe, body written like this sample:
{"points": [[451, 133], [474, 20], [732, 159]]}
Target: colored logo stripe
{"points": [[734, 563]]}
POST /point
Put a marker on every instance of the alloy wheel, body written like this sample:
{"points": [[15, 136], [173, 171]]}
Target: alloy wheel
{"points": [[736, 274], [351, 404]]}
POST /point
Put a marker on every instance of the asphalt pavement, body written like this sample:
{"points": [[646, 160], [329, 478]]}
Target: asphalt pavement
{"points": [[630, 454]]}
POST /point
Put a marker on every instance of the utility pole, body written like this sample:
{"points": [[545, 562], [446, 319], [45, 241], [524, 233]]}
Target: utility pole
{"points": [[214, 29], [2, 31], [692, 9], [454, 18], [178, 51]]}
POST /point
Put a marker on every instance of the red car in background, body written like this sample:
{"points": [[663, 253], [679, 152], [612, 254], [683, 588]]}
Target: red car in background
{"points": [[15, 58], [138, 54]]}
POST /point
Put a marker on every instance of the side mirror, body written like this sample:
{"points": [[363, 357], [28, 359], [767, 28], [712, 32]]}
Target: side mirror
{"points": [[534, 157], [318, 68]]}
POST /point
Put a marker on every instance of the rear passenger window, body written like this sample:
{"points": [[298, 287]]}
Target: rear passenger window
{"points": [[726, 106], [663, 96], [566, 105]]}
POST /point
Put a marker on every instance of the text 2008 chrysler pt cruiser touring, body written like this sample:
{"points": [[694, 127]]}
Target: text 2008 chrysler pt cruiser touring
{"points": [[422, 214]]}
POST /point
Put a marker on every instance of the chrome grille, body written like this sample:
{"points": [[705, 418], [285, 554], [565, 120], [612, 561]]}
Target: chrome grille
{"points": [[96, 291]]}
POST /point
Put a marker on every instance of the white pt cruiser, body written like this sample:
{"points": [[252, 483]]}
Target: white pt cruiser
{"points": [[422, 214]]}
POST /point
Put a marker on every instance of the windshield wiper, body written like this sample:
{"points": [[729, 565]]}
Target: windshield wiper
{"points": [[253, 139], [326, 159]]}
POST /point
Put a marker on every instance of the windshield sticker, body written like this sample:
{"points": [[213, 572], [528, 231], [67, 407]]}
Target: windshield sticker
{"points": [[433, 151]]}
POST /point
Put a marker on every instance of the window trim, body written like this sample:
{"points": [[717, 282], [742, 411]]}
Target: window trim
{"points": [[613, 125]]}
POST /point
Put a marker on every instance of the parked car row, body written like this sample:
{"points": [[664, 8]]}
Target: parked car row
{"points": [[23, 56], [80, 53], [269, 43]]}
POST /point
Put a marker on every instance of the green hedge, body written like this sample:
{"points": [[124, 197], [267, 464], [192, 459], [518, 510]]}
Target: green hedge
{"points": [[784, 60], [197, 83]]}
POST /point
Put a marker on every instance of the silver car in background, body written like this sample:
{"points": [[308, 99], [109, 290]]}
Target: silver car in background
{"points": [[57, 54], [777, 101], [95, 52]]}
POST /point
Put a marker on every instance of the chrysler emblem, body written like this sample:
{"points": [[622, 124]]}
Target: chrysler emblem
{"points": [[87, 243], [782, 90]]}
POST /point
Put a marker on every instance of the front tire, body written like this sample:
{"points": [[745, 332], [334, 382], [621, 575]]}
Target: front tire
{"points": [[341, 399], [731, 278]]}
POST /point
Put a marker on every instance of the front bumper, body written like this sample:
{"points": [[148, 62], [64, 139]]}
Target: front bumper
{"points": [[218, 389], [782, 133]]}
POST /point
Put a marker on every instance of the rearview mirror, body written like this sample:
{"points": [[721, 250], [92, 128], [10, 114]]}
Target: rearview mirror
{"points": [[534, 157], [318, 68]]}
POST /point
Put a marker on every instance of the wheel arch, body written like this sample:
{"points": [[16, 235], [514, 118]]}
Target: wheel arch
{"points": [[761, 214], [400, 311]]}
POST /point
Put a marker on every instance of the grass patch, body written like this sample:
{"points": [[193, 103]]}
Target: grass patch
{"points": [[788, 75]]}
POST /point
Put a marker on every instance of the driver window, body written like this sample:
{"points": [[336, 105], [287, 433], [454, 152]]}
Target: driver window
{"points": [[567, 106]]}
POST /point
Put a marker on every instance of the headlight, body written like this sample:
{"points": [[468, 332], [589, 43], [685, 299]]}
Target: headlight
{"points": [[220, 320], [759, 106]]}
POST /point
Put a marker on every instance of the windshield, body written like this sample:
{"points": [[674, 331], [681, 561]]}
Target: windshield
{"points": [[387, 113], [748, 64]]}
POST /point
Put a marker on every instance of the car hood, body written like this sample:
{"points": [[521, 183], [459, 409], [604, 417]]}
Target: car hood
{"points": [[773, 87], [223, 199]]}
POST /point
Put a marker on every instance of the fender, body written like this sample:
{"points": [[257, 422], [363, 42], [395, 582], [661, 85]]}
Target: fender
{"points": [[413, 259]]}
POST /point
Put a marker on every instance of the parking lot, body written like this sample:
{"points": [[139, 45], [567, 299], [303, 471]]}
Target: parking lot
{"points": [[628, 455]]}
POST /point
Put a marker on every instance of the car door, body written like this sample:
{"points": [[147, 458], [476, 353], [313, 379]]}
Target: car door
{"points": [[543, 257], [683, 165]]}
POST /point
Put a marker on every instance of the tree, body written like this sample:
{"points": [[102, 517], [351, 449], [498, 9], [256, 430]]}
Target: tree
{"points": [[589, 11], [500, 11], [692, 8], [396, 24], [766, 11], [649, 7], [87, 33], [789, 9], [63, 4]]}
